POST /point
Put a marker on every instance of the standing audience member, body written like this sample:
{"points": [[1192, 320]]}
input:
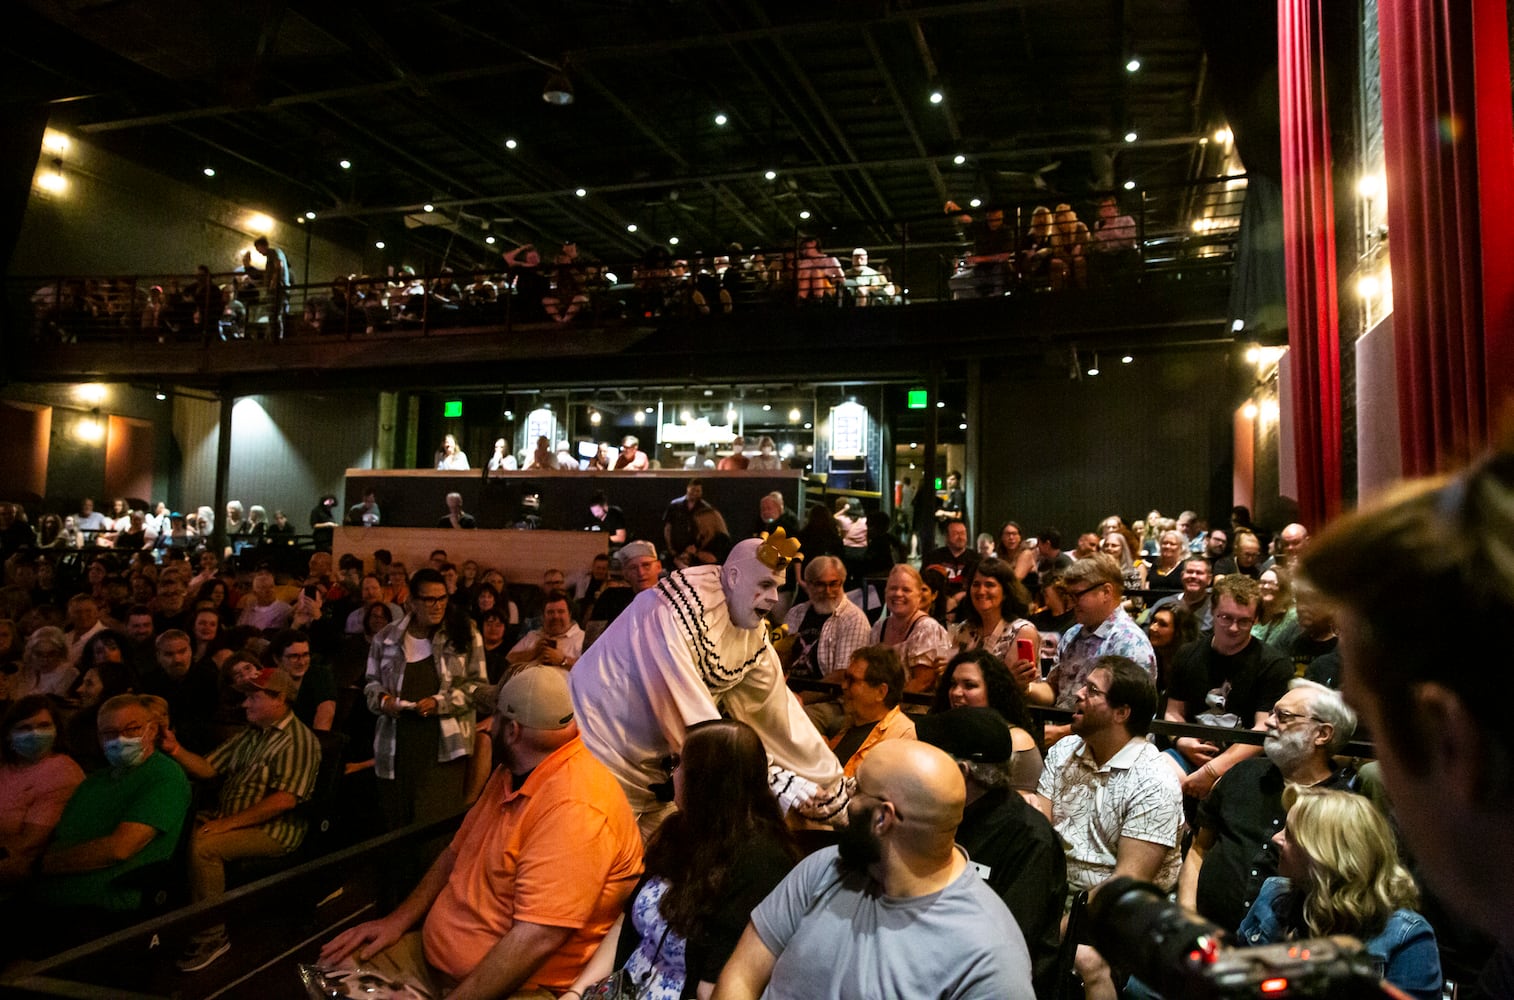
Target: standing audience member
{"points": [[533, 880], [276, 279], [896, 905]]}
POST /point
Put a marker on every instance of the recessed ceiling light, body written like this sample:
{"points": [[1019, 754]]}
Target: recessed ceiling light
{"points": [[1133, 65], [804, 214], [378, 244], [428, 207], [649, 410], [936, 97], [210, 171], [345, 164], [771, 175], [310, 215], [672, 241], [1130, 185], [1126, 359], [582, 192], [300, 219], [720, 118], [511, 144], [631, 228], [975, 203], [489, 240], [807, 426], [959, 159], [1130, 137], [940, 404], [1093, 371], [767, 407], [962, 426]]}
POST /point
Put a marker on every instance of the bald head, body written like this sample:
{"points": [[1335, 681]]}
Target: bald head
{"points": [[925, 786], [751, 586]]}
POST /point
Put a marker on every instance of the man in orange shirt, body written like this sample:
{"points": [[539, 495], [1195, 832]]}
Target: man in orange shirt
{"points": [[539, 871]]}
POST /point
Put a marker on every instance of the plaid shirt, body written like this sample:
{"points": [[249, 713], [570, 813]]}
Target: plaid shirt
{"points": [[457, 675], [255, 763], [842, 634]]}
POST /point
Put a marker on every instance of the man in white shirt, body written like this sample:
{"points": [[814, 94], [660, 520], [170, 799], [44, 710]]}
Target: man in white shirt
{"points": [[558, 643]]}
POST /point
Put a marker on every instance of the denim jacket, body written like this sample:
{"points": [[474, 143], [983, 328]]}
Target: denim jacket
{"points": [[457, 675], [1405, 949]]}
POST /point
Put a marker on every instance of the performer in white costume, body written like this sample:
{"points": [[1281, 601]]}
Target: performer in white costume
{"points": [[695, 648]]}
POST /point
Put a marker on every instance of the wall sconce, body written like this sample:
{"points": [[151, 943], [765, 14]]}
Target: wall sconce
{"points": [[51, 179]]}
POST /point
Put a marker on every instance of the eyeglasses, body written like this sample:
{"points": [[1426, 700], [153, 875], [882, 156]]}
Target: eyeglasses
{"points": [[1286, 718], [672, 762], [131, 732], [1077, 595], [1231, 621], [828, 584], [432, 602], [1090, 691]]}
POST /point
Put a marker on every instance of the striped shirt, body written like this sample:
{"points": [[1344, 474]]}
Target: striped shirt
{"points": [[457, 675], [258, 762]]}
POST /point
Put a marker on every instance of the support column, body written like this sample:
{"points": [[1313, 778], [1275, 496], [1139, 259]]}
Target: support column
{"points": [[223, 471]]}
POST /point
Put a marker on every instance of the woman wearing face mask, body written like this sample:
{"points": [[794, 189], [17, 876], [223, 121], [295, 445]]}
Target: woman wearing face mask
{"points": [[36, 780]]}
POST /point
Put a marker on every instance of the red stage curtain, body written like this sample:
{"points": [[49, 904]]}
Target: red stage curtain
{"points": [[1309, 248], [1449, 143]]}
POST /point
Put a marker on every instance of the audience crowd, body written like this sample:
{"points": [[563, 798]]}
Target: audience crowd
{"points": [[170, 705]]}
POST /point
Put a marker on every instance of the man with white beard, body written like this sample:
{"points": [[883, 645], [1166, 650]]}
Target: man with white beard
{"points": [[1232, 850], [826, 629]]}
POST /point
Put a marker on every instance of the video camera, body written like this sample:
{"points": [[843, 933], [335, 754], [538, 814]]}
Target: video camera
{"points": [[1181, 956]]}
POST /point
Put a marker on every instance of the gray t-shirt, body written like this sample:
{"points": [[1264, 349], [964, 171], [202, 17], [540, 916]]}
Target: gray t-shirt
{"points": [[837, 935]]}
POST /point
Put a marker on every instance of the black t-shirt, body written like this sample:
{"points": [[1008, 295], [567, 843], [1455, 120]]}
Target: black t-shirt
{"points": [[1251, 681], [680, 516], [806, 640], [1171, 581], [1017, 852], [1305, 651], [1243, 811], [1325, 669], [959, 568], [851, 740], [615, 520]]}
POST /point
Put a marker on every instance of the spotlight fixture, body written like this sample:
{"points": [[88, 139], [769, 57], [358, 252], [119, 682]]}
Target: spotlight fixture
{"points": [[936, 97], [345, 164], [1130, 185], [959, 159], [559, 89], [1238, 325], [1093, 369], [582, 192], [160, 395], [378, 244], [720, 118], [310, 216], [1223, 135], [1133, 65], [767, 407], [940, 404], [794, 415], [631, 227], [672, 241], [1126, 359], [975, 203], [1130, 137], [489, 240], [511, 144], [771, 175], [209, 171], [804, 214], [428, 208], [639, 417]]}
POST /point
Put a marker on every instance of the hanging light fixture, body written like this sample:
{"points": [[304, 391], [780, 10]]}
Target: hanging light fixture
{"points": [[559, 89]]}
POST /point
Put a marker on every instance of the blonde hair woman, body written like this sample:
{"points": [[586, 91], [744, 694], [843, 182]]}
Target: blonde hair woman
{"points": [[1339, 873], [922, 643]]}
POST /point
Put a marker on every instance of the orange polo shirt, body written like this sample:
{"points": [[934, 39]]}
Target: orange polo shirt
{"points": [[562, 850]]}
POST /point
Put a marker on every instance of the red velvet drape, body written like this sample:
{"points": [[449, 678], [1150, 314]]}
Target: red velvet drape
{"points": [[1449, 141], [1309, 249]]}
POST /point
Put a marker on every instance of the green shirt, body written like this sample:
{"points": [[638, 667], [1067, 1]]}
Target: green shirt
{"points": [[154, 793], [257, 762]]}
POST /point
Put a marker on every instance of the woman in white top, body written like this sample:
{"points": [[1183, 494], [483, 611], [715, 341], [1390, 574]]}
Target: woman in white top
{"points": [[921, 642], [451, 457]]}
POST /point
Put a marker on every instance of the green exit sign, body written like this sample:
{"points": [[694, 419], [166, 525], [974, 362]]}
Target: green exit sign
{"points": [[917, 399], [452, 408]]}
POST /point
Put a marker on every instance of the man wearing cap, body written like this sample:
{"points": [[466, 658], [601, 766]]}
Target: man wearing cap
{"points": [[640, 569], [267, 769], [1008, 840], [534, 879], [695, 647]]}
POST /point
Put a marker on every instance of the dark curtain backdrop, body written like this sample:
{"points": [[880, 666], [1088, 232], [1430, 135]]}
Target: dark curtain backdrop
{"points": [[1449, 144], [1309, 246], [22, 128]]}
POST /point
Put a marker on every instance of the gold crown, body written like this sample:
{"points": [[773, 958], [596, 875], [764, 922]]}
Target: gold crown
{"points": [[778, 550]]}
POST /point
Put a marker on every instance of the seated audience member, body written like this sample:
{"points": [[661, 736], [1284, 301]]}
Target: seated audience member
{"points": [[492, 627], [1225, 679], [1339, 873], [265, 612], [1245, 555], [872, 687], [266, 770], [1170, 628], [371, 592], [1316, 629], [1116, 806], [1009, 841], [1277, 616], [976, 678], [365, 514], [1232, 851], [1195, 594], [456, 517], [921, 642], [1117, 546], [632, 458], [827, 630], [170, 607], [711, 543], [45, 667], [120, 818], [932, 926], [533, 880], [640, 569], [313, 685], [1166, 574], [559, 642], [1095, 588], [956, 558], [83, 625], [995, 615], [708, 865], [36, 780], [590, 586], [191, 690]]}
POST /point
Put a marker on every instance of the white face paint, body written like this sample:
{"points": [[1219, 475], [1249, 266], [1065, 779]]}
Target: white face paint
{"points": [[751, 588]]}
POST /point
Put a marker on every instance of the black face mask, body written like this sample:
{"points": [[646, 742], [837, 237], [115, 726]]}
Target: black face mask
{"points": [[857, 845]]}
